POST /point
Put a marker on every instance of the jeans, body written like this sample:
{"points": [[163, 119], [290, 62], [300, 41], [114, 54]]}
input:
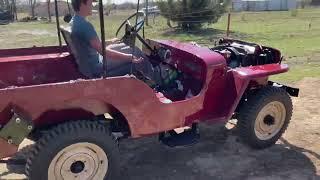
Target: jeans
{"points": [[121, 68]]}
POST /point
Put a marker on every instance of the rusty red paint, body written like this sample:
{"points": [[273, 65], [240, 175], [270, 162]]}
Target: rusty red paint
{"points": [[7, 149], [45, 83], [32, 51], [85, 98], [39, 66]]}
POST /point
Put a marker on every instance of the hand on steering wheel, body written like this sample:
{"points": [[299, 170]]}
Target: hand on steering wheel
{"points": [[137, 60]]}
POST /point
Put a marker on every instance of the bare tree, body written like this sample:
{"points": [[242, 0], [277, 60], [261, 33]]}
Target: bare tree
{"points": [[147, 12], [2, 4], [14, 9], [49, 10], [32, 4], [7, 6]]}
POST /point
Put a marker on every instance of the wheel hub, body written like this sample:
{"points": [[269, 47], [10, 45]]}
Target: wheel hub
{"points": [[77, 167], [270, 120], [79, 161]]}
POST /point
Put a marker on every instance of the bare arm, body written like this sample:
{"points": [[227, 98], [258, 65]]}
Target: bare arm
{"points": [[112, 41], [112, 54]]}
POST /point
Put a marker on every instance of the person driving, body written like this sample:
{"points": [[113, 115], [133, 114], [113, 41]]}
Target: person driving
{"points": [[119, 58]]}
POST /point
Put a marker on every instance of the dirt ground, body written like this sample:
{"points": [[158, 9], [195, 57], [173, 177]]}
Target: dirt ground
{"points": [[219, 155]]}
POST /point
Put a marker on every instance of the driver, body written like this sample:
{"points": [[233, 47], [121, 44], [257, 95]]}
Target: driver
{"points": [[118, 56]]}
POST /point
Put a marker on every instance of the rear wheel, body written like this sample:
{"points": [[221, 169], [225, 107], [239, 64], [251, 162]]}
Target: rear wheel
{"points": [[75, 150], [264, 117]]}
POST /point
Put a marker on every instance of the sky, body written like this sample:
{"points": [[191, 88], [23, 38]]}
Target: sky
{"points": [[113, 1], [122, 1]]}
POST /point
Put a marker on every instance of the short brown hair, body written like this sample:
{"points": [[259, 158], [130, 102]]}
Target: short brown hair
{"points": [[77, 3]]}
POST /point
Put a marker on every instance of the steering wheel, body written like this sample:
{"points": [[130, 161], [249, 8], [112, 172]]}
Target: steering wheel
{"points": [[132, 32], [140, 16]]}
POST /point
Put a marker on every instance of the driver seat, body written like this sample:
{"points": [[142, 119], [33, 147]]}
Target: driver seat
{"points": [[66, 33], [114, 67]]}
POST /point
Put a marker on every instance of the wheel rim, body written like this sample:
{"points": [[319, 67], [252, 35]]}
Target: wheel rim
{"points": [[270, 120], [79, 161]]}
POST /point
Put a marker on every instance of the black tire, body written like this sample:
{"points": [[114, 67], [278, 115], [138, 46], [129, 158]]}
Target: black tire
{"points": [[65, 135], [248, 114]]}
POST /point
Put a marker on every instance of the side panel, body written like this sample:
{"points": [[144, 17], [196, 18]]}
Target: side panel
{"points": [[222, 97], [225, 92], [134, 99]]}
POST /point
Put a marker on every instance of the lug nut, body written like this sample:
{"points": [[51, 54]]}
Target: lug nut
{"points": [[30, 127], [18, 120], [10, 141]]}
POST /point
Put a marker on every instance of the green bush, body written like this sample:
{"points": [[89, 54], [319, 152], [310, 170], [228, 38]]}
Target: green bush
{"points": [[191, 14]]}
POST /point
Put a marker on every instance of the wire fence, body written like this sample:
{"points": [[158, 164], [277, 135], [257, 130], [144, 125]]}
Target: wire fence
{"points": [[283, 15]]}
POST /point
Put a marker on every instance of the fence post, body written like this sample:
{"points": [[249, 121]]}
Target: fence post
{"points": [[229, 22], [147, 12]]}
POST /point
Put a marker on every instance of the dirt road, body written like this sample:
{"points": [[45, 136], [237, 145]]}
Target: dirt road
{"points": [[219, 155]]}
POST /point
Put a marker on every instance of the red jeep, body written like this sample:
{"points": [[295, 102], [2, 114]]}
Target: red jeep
{"points": [[45, 98]]}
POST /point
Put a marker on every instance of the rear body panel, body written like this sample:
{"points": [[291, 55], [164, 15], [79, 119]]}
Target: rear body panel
{"points": [[34, 66]]}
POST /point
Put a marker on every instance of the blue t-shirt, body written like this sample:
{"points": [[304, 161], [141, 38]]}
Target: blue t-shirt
{"points": [[88, 59]]}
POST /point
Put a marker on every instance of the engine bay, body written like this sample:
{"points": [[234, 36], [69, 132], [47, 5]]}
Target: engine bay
{"points": [[242, 54], [172, 76], [179, 75]]}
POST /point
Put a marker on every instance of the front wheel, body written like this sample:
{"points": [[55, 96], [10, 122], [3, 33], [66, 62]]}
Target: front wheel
{"points": [[75, 150], [264, 117]]}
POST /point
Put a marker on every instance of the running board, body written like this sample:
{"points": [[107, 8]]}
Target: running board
{"points": [[185, 138]]}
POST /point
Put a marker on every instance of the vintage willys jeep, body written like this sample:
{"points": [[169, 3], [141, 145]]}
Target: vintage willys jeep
{"points": [[44, 97]]}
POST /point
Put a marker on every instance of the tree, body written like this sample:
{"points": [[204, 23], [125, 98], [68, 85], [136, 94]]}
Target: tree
{"points": [[8, 7], [191, 14], [32, 4], [1, 4], [4, 4], [49, 10], [14, 9], [7, 4], [108, 7], [147, 12]]}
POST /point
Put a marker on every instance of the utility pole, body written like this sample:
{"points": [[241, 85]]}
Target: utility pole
{"points": [[147, 12]]}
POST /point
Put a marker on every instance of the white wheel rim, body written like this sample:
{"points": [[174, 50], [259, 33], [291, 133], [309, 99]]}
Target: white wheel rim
{"points": [[270, 120], [79, 161]]}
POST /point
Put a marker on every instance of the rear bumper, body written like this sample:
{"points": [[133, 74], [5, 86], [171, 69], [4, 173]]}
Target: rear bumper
{"points": [[7, 149]]}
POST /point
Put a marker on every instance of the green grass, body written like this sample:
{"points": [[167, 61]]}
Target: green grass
{"points": [[296, 34], [297, 73], [279, 29]]}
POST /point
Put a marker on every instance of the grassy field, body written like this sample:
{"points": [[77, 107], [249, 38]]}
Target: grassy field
{"points": [[296, 34]]}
